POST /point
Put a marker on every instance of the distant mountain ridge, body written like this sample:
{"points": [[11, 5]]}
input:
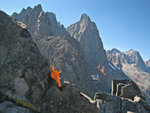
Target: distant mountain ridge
{"points": [[132, 64], [131, 57], [78, 52]]}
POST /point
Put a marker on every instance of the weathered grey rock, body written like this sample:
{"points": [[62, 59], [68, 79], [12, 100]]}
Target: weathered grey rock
{"points": [[115, 83], [66, 54], [119, 86], [20, 55], [130, 91], [21, 86], [125, 88], [40, 23], [125, 101], [9, 107], [113, 104], [85, 31], [22, 66], [69, 100], [142, 102]]}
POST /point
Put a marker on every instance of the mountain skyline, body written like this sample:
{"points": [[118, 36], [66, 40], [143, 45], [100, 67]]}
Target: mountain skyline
{"points": [[122, 24], [33, 39]]}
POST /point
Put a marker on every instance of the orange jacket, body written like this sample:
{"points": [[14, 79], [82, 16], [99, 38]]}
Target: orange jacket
{"points": [[55, 76]]}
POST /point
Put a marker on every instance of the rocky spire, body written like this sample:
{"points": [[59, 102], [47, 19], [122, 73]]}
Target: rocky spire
{"points": [[40, 23], [113, 51], [85, 19], [85, 31]]}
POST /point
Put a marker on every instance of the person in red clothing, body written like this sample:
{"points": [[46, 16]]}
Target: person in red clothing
{"points": [[55, 75]]}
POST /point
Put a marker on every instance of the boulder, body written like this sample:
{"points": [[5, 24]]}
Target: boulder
{"points": [[21, 86], [125, 88]]}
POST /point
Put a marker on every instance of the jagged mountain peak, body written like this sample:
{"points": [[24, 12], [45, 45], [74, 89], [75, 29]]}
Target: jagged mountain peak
{"points": [[85, 18], [132, 51], [86, 32], [38, 7], [113, 51], [40, 23]]}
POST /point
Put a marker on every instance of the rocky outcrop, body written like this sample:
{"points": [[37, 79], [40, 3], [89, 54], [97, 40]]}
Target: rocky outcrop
{"points": [[128, 103], [132, 64], [40, 23], [69, 100], [21, 61], [24, 84], [66, 54], [125, 88], [113, 104]]}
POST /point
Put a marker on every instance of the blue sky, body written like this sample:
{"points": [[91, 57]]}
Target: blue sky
{"points": [[122, 24]]}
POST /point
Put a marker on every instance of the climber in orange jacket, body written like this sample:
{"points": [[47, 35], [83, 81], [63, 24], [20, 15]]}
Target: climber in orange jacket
{"points": [[55, 75]]}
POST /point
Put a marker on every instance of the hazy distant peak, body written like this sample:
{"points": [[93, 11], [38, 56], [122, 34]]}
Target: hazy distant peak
{"points": [[113, 51], [132, 51]]}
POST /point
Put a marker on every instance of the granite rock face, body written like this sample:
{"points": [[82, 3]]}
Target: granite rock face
{"points": [[40, 23], [24, 84], [67, 101], [21, 61], [85, 31], [125, 88], [103, 72], [128, 103], [132, 64], [66, 54], [54, 42]]}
